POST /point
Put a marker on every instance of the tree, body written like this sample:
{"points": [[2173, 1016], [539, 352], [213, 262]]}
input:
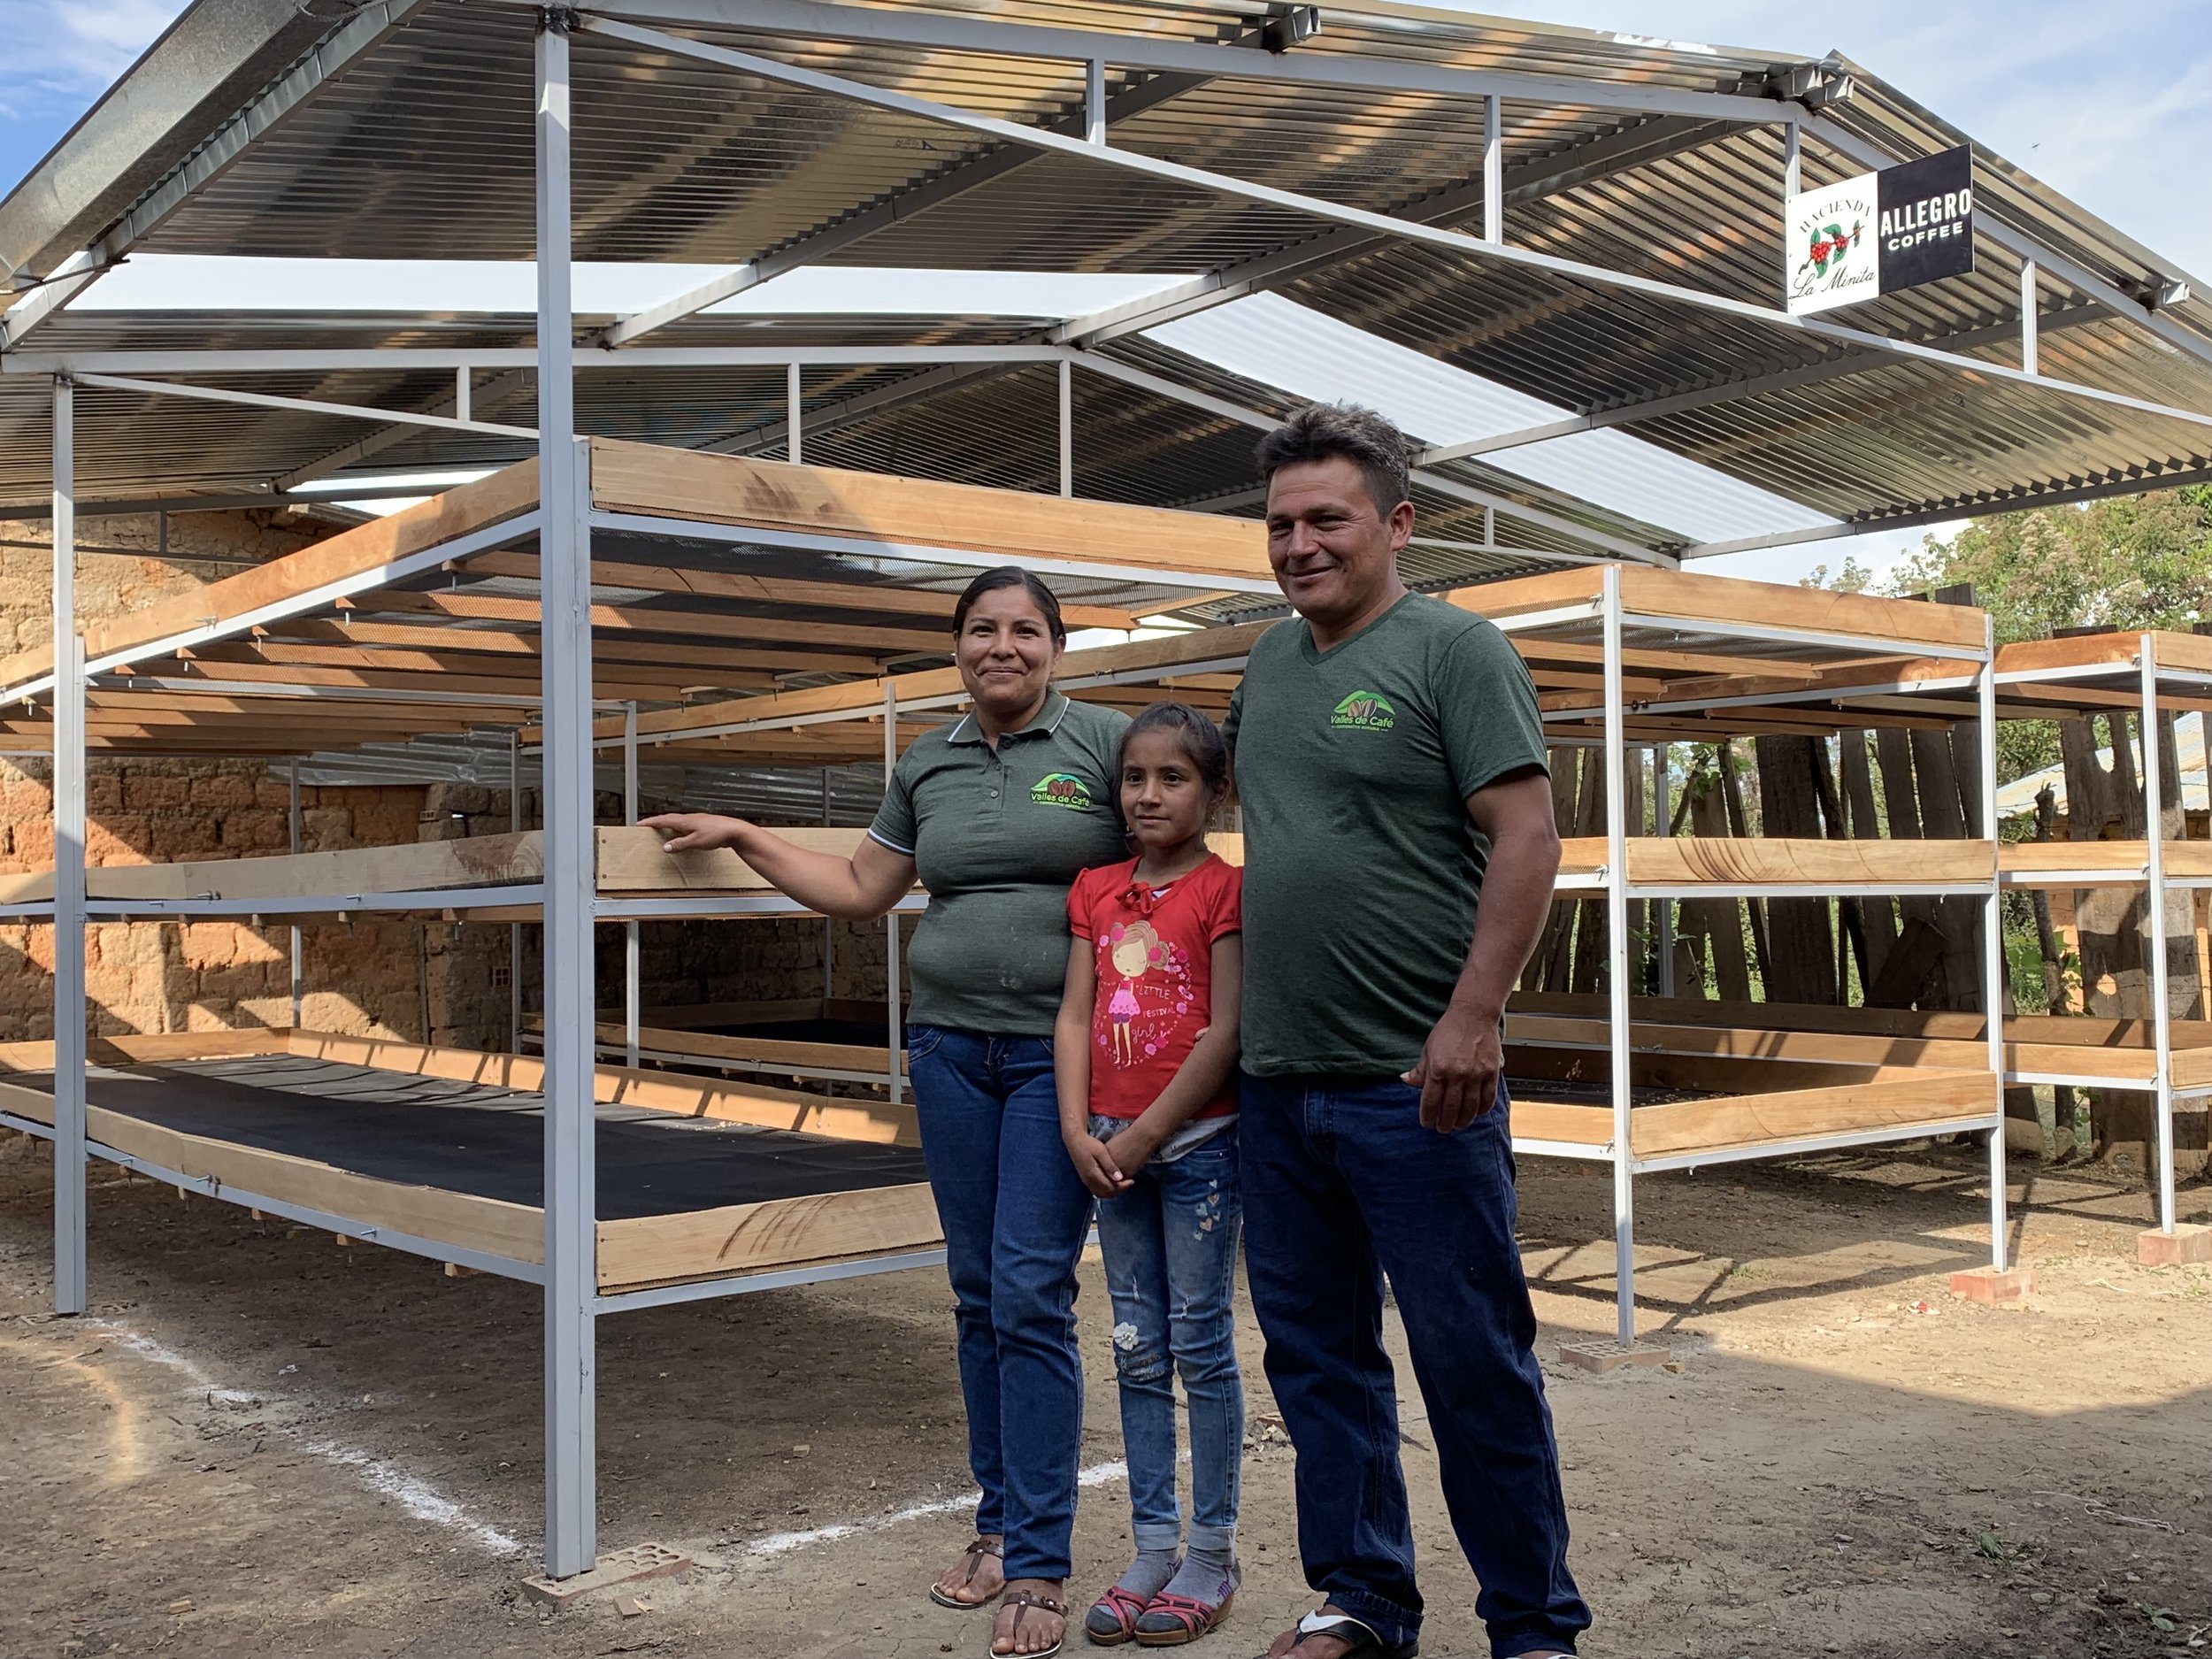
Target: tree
{"points": [[2132, 562]]}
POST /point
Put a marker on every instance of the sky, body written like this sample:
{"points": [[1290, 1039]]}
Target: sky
{"points": [[2110, 115]]}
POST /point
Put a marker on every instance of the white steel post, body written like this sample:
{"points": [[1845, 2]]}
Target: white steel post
{"points": [[1493, 172], [1094, 102], [514, 929], [2162, 1002], [894, 1020], [70, 1270], [461, 393], [2028, 350], [630, 997], [1616, 966], [1793, 162], [292, 789], [795, 402], [1662, 817], [1992, 947], [571, 1010], [1067, 427]]}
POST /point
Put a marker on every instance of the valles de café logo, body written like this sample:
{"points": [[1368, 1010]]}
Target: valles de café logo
{"points": [[1061, 789], [1364, 711]]}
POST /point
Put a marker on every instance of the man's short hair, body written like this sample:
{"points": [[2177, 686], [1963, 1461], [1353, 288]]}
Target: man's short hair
{"points": [[1328, 432]]}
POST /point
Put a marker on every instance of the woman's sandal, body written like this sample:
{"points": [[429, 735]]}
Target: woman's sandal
{"points": [[973, 1556], [1113, 1617], [1022, 1600], [1169, 1620], [1365, 1643]]}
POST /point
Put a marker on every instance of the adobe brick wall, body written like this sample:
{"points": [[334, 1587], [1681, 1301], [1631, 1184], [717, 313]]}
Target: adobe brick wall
{"points": [[404, 980]]}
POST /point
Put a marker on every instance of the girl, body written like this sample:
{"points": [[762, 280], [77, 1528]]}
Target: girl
{"points": [[1148, 1108]]}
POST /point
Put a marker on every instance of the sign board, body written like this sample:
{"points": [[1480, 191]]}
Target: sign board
{"points": [[1881, 231]]}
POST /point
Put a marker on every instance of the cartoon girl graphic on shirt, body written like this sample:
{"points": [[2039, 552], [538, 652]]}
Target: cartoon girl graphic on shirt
{"points": [[1134, 948]]}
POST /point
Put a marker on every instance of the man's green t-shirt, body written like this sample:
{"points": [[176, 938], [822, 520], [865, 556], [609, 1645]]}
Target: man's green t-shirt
{"points": [[1362, 868], [997, 836]]}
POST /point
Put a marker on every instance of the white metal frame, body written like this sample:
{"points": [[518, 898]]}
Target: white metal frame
{"points": [[2152, 686]]}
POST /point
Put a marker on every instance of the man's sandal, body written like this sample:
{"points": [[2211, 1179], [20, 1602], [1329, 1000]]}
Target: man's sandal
{"points": [[1169, 1620], [1365, 1643], [1021, 1601], [1113, 1617], [973, 1556]]}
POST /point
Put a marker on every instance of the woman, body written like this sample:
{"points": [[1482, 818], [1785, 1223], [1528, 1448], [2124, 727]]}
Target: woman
{"points": [[997, 813]]}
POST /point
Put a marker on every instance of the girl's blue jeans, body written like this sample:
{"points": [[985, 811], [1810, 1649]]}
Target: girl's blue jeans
{"points": [[1170, 1246]]}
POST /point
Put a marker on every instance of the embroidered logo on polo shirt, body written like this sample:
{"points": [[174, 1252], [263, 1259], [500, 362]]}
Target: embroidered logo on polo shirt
{"points": [[1364, 711], [1062, 789]]}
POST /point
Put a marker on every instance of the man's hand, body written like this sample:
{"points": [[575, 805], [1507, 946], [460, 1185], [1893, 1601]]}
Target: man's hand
{"points": [[691, 832], [1095, 1165], [1458, 1074]]}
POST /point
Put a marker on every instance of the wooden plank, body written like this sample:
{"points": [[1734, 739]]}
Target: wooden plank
{"points": [[1883, 622], [2081, 650], [1200, 645], [1661, 861], [459, 1219], [1924, 1096], [1578, 1125], [876, 1122], [359, 552], [472, 861], [31, 887], [862, 596], [681, 483], [843, 1056], [752, 1238]]}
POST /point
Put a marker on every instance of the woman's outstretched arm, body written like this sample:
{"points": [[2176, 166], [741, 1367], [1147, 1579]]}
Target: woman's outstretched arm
{"points": [[855, 889]]}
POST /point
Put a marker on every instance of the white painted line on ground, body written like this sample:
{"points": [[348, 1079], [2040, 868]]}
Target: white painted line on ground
{"points": [[418, 1497], [783, 1543]]}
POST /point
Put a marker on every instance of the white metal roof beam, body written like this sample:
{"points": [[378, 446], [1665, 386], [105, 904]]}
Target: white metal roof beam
{"points": [[492, 395], [1235, 188], [1733, 391], [932, 192], [367, 27], [1262, 421], [400, 359], [300, 405], [1524, 182], [810, 21], [2134, 483]]}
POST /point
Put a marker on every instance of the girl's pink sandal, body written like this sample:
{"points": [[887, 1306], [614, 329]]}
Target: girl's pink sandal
{"points": [[1113, 1617]]}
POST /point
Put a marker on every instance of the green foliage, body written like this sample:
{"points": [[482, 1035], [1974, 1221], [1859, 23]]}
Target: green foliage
{"points": [[2132, 562]]}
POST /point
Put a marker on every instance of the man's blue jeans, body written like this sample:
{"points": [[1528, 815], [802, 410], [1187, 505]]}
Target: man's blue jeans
{"points": [[1015, 1216], [1171, 1248], [1341, 1187]]}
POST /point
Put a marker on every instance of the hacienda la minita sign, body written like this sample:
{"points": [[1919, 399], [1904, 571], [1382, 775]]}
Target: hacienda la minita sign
{"points": [[1881, 231]]}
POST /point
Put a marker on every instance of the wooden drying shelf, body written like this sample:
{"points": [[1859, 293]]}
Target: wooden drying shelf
{"points": [[1658, 861], [719, 1242], [2088, 1048], [2100, 864]]}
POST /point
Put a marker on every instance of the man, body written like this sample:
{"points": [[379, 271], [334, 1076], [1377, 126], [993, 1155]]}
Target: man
{"points": [[1390, 760]]}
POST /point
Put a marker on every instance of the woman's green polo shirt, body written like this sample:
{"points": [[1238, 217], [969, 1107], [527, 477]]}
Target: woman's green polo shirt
{"points": [[997, 836]]}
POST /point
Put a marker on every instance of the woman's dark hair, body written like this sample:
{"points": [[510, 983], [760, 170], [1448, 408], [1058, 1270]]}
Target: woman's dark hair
{"points": [[1200, 737], [1011, 576]]}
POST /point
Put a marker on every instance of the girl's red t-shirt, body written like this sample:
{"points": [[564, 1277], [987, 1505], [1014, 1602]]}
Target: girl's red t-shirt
{"points": [[1155, 959]]}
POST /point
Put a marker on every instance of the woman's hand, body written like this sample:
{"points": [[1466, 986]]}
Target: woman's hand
{"points": [[694, 832], [1095, 1163]]}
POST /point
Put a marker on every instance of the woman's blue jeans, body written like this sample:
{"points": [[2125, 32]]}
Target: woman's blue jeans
{"points": [[1171, 1250], [1015, 1216]]}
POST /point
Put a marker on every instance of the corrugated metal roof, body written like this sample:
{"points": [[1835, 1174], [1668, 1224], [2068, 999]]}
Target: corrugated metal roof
{"points": [[416, 143]]}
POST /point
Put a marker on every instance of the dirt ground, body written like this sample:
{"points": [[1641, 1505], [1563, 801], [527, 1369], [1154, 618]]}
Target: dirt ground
{"points": [[259, 1443]]}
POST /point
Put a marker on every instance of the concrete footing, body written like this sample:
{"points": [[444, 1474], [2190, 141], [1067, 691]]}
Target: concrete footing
{"points": [[1608, 1355], [2000, 1287], [621, 1566], [2187, 1245]]}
